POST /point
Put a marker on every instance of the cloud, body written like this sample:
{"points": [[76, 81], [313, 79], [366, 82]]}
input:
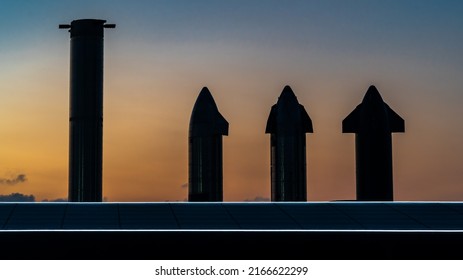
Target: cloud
{"points": [[21, 178], [176, 200], [56, 200], [17, 197], [258, 198], [64, 199]]}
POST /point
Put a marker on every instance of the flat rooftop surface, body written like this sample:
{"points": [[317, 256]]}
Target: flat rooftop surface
{"points": [[267, 230], [230, 216]]}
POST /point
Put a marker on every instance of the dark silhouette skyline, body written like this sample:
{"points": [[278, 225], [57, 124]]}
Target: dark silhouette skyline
{"points": [[287, 125], [373, 121], [86, 109], [205, 163]]}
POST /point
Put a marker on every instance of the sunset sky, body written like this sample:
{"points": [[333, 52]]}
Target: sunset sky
{"points": [[163, 52]]}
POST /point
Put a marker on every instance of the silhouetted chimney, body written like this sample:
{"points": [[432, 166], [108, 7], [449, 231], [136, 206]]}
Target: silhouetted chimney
{"points": [[86, 109], [373, 122], [287, 124], [207, 125]]}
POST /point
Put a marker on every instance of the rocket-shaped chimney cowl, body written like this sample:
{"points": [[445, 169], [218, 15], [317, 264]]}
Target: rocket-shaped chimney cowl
{"points": [[373, 121], [205, 170], [287, 125], [86, 109]]}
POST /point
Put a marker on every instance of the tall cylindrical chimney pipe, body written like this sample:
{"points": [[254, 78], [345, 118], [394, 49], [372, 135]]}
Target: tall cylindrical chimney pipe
{"points": [[86, 110]]}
